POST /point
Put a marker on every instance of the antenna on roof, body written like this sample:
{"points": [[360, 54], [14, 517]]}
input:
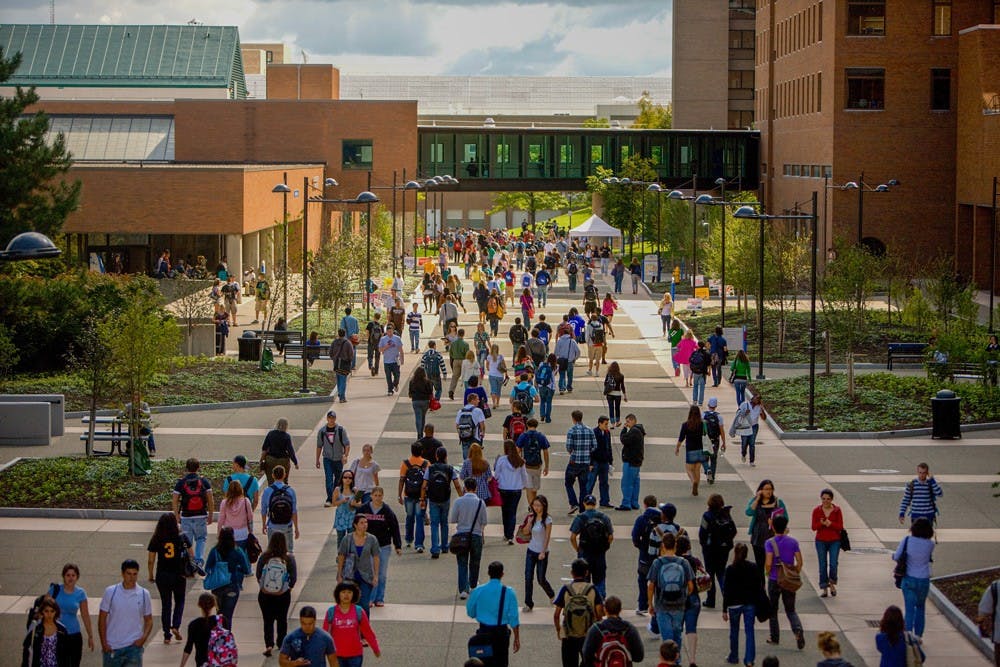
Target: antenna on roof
{"points": [[52, 12], [195, 22]]}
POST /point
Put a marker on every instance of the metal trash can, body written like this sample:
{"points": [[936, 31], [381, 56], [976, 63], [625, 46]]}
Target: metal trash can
{"points": [[250, 348], [946, 415]]}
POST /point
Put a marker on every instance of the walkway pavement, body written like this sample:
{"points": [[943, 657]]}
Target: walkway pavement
{"points": [[424, 622]]}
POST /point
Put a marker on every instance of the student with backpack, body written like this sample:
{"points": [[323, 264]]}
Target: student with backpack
{"points": [[698, 362], [525, 394], [199, 631], [193, 506], [435, 497], [276, 575], [578, 605], [225, 568], [534, 448], [692, 609], [545, 383], [612, 641], [716, 534], [595, 338], [633, 439], [670, 582], [411, 484], [716, 435], [591, 535], [470, 424], [783, 563]]}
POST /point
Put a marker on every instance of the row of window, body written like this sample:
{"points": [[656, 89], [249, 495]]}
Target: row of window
{"points": [[809, 170], [866, 88], [868, 17], [798, 31], [798, 96]]}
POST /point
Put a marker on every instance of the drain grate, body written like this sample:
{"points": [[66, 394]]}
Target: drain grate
{"points": [[873, 622]]}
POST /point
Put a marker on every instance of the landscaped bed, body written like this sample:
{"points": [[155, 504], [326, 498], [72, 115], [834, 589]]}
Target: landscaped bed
{"points": [[965, 590], [189, 380], [100, 483]]}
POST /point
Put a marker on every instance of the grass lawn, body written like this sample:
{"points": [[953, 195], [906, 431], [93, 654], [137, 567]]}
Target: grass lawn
{"points": [[101, 483], [191, 380]]}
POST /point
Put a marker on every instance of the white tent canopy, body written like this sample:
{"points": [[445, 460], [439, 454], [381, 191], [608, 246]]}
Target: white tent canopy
{"points": [[595, 228]]}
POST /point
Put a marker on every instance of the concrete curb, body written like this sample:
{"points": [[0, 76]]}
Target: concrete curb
{"points": [[202, 407], [869, 435], [961, 622]]}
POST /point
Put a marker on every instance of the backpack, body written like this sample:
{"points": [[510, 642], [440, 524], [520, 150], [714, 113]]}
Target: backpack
{"points": [[518, 334], [610, 384], [531, 264], [721, 530], [525, 281], [590, 293], [279, 509], [263, 290], [517, 426], [698, 362], [414, 481], [274, 577], [466, 425], [439, 482], [579, 613], [712, 426], [594, 535], [35, 613], [597, 333], [432, 364], [532, 450], [222, 645], [671, 583], [193, 495], [612, 651], [522, 394], [375, 332], [542, 279], [572, 270], [543, 376]]}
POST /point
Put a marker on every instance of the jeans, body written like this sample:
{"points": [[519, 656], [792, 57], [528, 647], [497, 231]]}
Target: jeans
{"points": [[414, 340], [598, 563], [604, 265], [331, 471], [715, 565], [642, 579], [711, 462], [414, 522], [227, 597], [439, 525], [571, 651], [274, 611], [566, 378], [525, 319], [630, 485], [635, 283], [614, 408], [384, 554], [698, 389], [749, 442], [496, 385], [468, 565], [545, 395], [825, 551], [420, 409], [571, 282], [533, 566], [716, 374], [365, 601], [671, 625], [691, 614], [196, 529], [130, 656], [788, 601], [353, 661], [374, 355], [511, 499], [599, 475], [576, 473], [543, 295], [438, 386], [341, 387], [391, 375], [741, 391], [618, 282], [172, 588], [914, 598], [747, 612]]}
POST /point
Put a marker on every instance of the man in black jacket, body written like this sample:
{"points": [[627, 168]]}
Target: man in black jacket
{"points": [[633, 437], [612, 634]]}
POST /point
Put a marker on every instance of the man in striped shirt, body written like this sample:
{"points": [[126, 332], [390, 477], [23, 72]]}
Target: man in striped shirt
{"points": [[580, 442], [920, 496], [415, 322]]}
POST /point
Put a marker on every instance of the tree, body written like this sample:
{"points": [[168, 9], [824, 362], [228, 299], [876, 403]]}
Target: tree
{"points": [[9, 357], [90, 356], [33, 194], [142, 339], [338, 269], [596, 122], [532, 202], [653, 116], [624, 205], [195, 303], [846, 289]]}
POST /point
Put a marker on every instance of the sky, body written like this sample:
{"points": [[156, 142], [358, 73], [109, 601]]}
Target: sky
{"points": [[437, 37]]}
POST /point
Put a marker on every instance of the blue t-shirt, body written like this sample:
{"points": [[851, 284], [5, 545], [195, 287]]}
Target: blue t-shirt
{"points": [[315, 647], [249, 482], [69, 605]]}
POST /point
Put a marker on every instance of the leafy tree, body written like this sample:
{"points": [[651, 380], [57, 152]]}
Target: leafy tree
{"points": [[34, 196], [597, 122], [532, 202], [943, 290], [194, 304], [9, 357], [90, 356], [338, 269], [846, 290], [653, 116]]}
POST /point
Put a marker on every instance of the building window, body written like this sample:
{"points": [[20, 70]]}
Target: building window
{"points": [[865, 17], [940, 89], [942, 18], [357, 154], [866, 88], [269, 57], [741, 39], [996, 11]]}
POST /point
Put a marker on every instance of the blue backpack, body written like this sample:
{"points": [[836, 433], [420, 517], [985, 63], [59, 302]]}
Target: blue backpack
{"points": [[543, 376]]}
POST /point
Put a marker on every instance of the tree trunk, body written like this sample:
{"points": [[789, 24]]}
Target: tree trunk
{"points": [[850, 375], [829, 350], [91, 426]]}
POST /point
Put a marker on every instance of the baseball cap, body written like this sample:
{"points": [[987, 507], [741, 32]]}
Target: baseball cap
{"points": [[713, 402], [331, 413], [589, 500], [669, 510]]}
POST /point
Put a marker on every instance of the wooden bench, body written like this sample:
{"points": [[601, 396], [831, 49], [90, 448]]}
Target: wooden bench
{"points": [[912, 352], [961, 370], [117, 434], [267, 335], [294, 351]]}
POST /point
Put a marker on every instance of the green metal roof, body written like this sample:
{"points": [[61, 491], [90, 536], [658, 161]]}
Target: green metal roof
{"points": [[155, 56]]}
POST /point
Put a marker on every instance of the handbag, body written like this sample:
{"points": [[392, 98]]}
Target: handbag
{"points": [[523, 534], [487, 411], [900, 570], [253, 547], [914, 654], [788, 578], [434, 404], [496, 500], [481, 643], [762, 605], [845, 540], [461, 543], [218, 577]]}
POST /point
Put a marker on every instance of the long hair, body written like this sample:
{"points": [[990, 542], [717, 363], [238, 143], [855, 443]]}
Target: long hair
{"points": [[419, 376], [277, 547], [615, 371], [694, 419], [545, 506], [512, 453], [226, 543], [477, 461], [891, 624], [234, 492], [742, 357], [166, 528], [740, 553], [522, 354]]}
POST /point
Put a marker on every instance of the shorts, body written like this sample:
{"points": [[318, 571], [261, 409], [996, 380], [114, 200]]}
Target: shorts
{"points": [[260, 304], [694, 457], [231, 307], [496, 385], [594, 352], [534, 478]]}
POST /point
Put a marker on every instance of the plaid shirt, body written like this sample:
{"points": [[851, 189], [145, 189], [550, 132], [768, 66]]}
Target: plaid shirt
{"points": [[580, 442]]}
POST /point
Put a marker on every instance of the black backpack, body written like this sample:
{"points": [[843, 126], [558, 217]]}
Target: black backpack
{"points": [[712, 426], [523, 396], [532, 450], [596, 332], [414, 480], [572, 269], [279, 508], [698, 362], [439, 482], [518, 334], [193, 495], [721, 529], [594, 534]]}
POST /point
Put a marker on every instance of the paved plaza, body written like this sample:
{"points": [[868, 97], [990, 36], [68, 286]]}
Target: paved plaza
{"points": [[424, 623]]}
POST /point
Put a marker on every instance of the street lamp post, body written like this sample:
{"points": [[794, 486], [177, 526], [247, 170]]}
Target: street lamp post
{"points": [[747, 212], [721, 182], [993, 248], [394, 221], [284, 190], [695, 200], [862, 188], [29, 245], [409, 185]]}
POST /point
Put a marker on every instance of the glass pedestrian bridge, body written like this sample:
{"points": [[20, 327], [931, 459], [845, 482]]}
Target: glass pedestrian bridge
{"points": [[492, 159]]}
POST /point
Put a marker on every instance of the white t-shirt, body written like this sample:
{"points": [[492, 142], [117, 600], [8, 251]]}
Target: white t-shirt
{"points": [[126, 609], [537, 543], [494, 364], [477, 418], [364, 478]]}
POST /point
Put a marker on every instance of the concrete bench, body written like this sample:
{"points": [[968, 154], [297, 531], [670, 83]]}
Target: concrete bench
{"points": [[25, 423], [57, 413]]}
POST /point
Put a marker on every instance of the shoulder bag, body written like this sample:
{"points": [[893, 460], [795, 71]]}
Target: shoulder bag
{"points": [[788, 578], [461, 543], [900, 570], [481, 643], [253, 545]]}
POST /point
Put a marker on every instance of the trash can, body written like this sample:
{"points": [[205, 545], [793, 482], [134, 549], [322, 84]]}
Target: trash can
{"points": [[250, 348], [946, 415]]}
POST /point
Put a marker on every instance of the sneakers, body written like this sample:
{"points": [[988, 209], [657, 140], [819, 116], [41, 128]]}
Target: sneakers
{"points": [[753, 465], [743, 459], [800, 639], [464, 595], [420, 550], [526, 609], [435, 556], [328, 504], [409, 545], [572, 511], [589, 372], [640, 612]]}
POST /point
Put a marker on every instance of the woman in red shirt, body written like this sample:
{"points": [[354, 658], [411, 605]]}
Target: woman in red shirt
{"points": [[347, 623], [827, 521]]}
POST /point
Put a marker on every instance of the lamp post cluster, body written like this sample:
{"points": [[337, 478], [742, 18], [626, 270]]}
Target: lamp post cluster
{"points": [[631, 184], [862, 188]]}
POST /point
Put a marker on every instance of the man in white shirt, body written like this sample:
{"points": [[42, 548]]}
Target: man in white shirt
{"points": [[126, 619], [470, 423]]}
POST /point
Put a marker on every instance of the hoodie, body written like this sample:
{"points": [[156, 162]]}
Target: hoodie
{"points": [[640, 533], [633, 444], [612, 625]]}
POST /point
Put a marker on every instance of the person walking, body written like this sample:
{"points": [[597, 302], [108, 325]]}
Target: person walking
{"points": [[635, 269], [895, 645], [601, 460], [607, 638], [608, 307], [358, 560], [591, 535], [827, 523], [618, 275], [333, 445], [675, 335], [279, 509], [165, 552], [193, 506], [415, 326], [236, 512], [72, 600], [434, 365], [670, 582], [511, 477], [468, 513], [496, 371], [633, 439], [665, 309], [342, 355], [580, 443], [716, 534], [349, 626], [692, 608], [391, 347], [352, 331], [456, 354], [435, 497], [699, 363], [545, 383], [534, 448], [307, 644], [761, 509], [918, 548], [277, 450], [920, 496], [538, 524], [718, 351], [567, 351], [470, 424], [692, 437], [615, 393], [716, 434], [199, 630], [595, 336], [125, 620], [642, 529], [682, 355], [251, 487], [481, 341], [739, 602], [420, 392], [47, 641], [375, 331], [746, 424], [384, 525], [347, 501], [828, 645], [476, 467], [494, 606], [739, 373], [578, 605], [411, 484], [366, 471], [276, 577], [226, 567], [527, 307], [782, 551]]}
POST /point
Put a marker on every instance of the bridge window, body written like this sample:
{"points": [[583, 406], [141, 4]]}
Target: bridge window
{"points": [[539, 156], [357, 154], [865, 17]]}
